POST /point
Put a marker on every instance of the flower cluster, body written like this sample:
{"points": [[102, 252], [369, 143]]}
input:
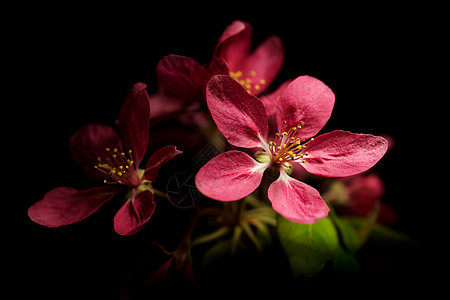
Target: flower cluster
{"points": [[272, 137]]}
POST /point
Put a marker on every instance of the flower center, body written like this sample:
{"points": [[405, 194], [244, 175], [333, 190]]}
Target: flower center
{"points": [[119, 166], [250, 84], [286, 148]]}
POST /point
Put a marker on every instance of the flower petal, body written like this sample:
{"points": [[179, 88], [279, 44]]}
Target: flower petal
{"points": [[307, 102], [164, 107], [342, 153], [263, 65], [234, 44], [135, 213], [297, 201], [182, 77], [271, 100], [240, 117], [66, 205], [158, 159], [229, 176], [91, 141], [134, 121]]}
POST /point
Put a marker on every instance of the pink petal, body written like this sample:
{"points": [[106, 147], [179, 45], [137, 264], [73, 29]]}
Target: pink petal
{"points": [[240, 117], [235, 42], [158, 159], [297, 201], [271, 100], [182, 77], [66, 205], [263, 65], [229, 176], [90, 142], [135, 213], [341, 153], [134, 121], [307, 102]]}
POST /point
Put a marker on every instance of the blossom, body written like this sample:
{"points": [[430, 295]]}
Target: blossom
{"points": [[304, 108], [184, 80], [115, 158], [358, 195]]}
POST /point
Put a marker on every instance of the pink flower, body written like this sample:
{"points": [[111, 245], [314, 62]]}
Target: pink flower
{"points": [[358, 195], [115, 158], [184, 79], [304, 108], [253, 70]]}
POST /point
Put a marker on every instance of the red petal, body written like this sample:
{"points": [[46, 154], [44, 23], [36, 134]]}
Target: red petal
{"points": [[234, 44], [240, 117], [66, 205], [164, 107], [134, 121], [307, 102], [297, 201], [263, 65], [135, 213], [182, 77], [90, 142], [271, 100], [341, 153], [230, 176], [158, 159]]}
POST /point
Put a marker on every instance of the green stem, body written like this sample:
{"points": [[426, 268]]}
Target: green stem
{"points": [[211, 236], [248, 231]]}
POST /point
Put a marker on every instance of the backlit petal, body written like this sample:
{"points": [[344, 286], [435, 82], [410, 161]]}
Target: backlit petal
{"points": [[307, 102], [297, 201], [342, 153], [240, 117], [229, 176]]}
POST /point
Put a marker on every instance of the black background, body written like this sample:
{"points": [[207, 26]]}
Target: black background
{"points": [[76, 65]]}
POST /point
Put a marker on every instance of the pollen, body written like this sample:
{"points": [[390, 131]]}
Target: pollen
{"points": [[118, 166], [290, 147], [248, 82]]}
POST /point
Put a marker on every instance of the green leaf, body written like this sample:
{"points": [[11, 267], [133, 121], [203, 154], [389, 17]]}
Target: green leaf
{"points": [[308, 247], [348, 233]]}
